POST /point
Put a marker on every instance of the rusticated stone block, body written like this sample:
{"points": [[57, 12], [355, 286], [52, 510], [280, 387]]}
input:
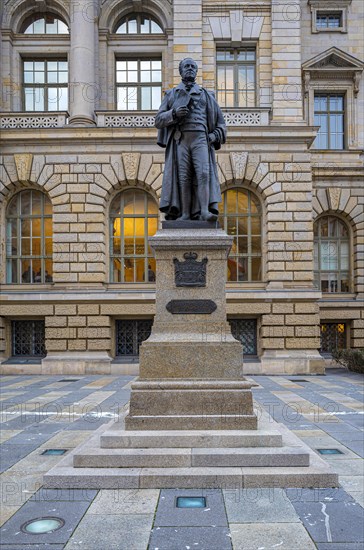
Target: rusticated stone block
{"points": [[65, 309], [88, 309], [247, 308], [60, 333], [306, 307], [302, 319], [77, 321], [273, 343], [307, 331], [277, 331], [128, 309], [99, 344], [282, 308], [98, 321], [28, 310], [93, 332], [56, 345], [56, 321], [77, 345], [302, 343], [340, 314], [273, 320], [91, 277]]}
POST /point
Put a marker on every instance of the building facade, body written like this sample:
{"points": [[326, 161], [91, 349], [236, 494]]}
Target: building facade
{"points": [[81, 175]]}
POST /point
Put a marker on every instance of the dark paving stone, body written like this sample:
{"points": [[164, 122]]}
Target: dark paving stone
{"points": [[23, 421], [26, 438], [70, 512], [342, 521], [180, 538], [355, 420], [118, 384], [332, 427], [355, 446], [168, 515], [11, 454], [32, 547], [87, 423], [330, 494], [64, 495], [339, 546], [44, 428]]}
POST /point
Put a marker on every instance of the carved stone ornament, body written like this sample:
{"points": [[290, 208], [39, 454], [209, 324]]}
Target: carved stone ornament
{"points": [[190, 272], [191, 307]]}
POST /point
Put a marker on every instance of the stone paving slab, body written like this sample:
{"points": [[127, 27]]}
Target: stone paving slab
{"points": [[11, 454], [112, 532], [168, 515], [259, 505], [338, 546], [180, 538], [332, 494], [332, 521], [284, 536], [125, 501], [32, 547], [20, 484], [71, 513]]}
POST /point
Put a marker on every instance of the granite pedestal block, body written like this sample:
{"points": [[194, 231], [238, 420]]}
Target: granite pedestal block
{"points": [[191, 367]]}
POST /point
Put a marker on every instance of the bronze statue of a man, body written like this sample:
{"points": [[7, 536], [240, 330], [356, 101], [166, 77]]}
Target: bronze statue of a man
{"points": [[190, 126]]}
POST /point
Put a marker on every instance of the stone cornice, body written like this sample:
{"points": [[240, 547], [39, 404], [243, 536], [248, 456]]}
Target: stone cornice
{"points": [[36, 138]]}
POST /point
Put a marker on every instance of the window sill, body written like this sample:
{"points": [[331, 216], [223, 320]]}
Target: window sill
{"points": [[330, 296], [26, 287], [23, 361]]}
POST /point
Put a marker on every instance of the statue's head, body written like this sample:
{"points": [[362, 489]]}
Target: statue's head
{"points": [[188, 69]]}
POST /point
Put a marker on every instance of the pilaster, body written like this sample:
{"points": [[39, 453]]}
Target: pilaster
{"points": [[287, 107], [187, 39]]}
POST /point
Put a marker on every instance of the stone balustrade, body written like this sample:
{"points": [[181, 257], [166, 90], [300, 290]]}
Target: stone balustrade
{"points": [[145, 119], [122, 119], [33, 119]]}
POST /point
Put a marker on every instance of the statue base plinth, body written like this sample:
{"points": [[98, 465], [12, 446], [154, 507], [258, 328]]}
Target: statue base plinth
{"points": [[191, 367]]}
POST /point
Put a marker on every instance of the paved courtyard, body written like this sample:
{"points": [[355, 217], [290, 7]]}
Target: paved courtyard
{"points": [[59, 412]]}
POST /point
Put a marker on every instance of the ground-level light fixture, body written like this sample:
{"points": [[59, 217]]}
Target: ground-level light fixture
{"points": [[191, 502], [54, 452], [39, 526], [330, 452]]}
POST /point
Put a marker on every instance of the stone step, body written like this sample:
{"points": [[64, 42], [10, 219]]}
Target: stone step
{"points": [[317, 474], [115, 438], [198, 478], [185, 458]]}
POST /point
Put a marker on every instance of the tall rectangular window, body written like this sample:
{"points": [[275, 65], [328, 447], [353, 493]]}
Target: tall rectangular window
{"points": [[236, 81], [139, 84], [329, 116], [45, 85]]}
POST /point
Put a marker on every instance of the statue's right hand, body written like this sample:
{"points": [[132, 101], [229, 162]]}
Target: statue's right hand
{"points": [[182, 112]]}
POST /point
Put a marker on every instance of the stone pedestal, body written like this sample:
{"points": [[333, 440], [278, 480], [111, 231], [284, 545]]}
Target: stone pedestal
{"points": [[191, 367]]}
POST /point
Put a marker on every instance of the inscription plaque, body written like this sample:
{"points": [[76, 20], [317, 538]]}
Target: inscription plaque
{"points": [[190, 272], [191, 307]]}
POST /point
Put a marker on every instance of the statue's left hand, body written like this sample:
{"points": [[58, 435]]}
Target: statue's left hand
{"points": [[212, 138]]}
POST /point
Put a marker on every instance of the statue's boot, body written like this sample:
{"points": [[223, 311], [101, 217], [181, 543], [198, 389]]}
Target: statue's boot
{"points": [[203, 197]]}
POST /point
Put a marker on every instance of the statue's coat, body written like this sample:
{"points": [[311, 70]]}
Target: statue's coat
{"points": [[170, 200]]}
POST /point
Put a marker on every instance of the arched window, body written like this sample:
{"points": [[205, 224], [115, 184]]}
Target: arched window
{"points": [[45, 24], [133, 218], [138, 23], [240, 216], [331, 256], [29, 238]]}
